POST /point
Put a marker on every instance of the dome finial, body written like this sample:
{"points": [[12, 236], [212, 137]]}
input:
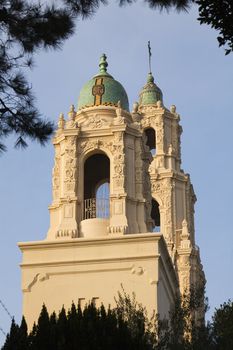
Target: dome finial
{"points": [[103, 63], [150, 78]]}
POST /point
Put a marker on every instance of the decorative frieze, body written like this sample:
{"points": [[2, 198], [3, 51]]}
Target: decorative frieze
{"points": [[95, 122]]}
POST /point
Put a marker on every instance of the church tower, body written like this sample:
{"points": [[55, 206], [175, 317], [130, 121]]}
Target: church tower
{"points": [[123, 209]]}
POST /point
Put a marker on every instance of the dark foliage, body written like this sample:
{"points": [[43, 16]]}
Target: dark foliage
{"points": [[222, 326], [17, 339], [89, 329], [24, 28], [163, 4], [219, 15], [127, 327]]}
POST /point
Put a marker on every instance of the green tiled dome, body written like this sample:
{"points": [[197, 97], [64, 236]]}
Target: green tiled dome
{"points": [[150, 93], [103, 89]]}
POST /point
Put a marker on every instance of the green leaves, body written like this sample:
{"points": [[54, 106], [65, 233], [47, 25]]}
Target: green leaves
{"points": [[219, 15], [222, 326]]}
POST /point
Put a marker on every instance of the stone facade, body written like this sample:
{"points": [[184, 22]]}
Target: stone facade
{"points": [[87, 256]]}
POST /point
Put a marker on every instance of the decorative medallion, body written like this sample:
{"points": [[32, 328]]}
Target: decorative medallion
{"points": [[98, 90]]}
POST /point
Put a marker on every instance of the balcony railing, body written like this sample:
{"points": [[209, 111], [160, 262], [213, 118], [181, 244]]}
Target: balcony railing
{"points": [[96, 208]]}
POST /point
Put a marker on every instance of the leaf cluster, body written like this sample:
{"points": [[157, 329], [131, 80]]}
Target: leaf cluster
{"points": [[222, 326], [25, 28], [178, 5], [219, 15]]}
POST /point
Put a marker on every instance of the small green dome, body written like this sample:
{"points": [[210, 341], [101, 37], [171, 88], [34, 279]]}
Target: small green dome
{"points": [[150, 93], [103, 90]]}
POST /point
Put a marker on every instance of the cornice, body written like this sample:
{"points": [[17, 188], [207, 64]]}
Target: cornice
{"points": [[134, 238]]}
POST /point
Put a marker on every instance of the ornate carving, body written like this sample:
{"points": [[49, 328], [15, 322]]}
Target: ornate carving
{"points": [[117, 149], [71, 124], [119, 119], [145, 122], [67, 233], [118, 136], [93, 144], [159, 136], [135, 107], [163, 189], [56, 175], [95, 122], [61, 122], [118, 229], [138, 270], [173, 109], [41, 277], [70, 165], [98, 90]]}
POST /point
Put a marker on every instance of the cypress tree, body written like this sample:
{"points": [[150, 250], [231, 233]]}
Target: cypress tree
{"points": [[62, 330], [12, 337], [41, 336], [23, 343], [53, 331]]}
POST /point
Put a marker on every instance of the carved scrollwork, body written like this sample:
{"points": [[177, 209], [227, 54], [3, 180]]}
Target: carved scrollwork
{"points": [[163, 190], [95, 122], [93, 144], [160, 136], [70, 165], [56, 175], [119, 166], [145, 122]]}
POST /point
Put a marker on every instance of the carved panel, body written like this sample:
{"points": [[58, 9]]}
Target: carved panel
{"points": [[56, 175], [70, 171], [163, 190], [95, 122], [118, 161]]}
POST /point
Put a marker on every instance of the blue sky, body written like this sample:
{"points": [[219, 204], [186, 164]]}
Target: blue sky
{"points": [[193, 74]]}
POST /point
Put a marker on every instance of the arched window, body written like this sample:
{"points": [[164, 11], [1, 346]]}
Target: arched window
{"points": [[102, 199], [96, 186], [151, 140], [155, 215]]}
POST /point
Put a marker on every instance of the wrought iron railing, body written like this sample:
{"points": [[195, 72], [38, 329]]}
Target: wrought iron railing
{"points": [[96, 208]]}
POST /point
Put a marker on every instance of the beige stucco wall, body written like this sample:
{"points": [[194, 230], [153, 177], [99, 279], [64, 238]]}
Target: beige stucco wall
{"points": [[59, 272]]}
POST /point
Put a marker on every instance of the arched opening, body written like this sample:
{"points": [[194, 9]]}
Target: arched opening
{"points": [[155, 215], [102, 199], [96, 187], [151, 140]]}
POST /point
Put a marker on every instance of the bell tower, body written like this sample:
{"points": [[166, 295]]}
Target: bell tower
{"points": [[173, 197], [100, 146], [122, 211]]}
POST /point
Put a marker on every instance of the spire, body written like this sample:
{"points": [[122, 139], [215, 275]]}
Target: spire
{"points": [[150, 78], [150, 93], [103, 63], [150, 54]]}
